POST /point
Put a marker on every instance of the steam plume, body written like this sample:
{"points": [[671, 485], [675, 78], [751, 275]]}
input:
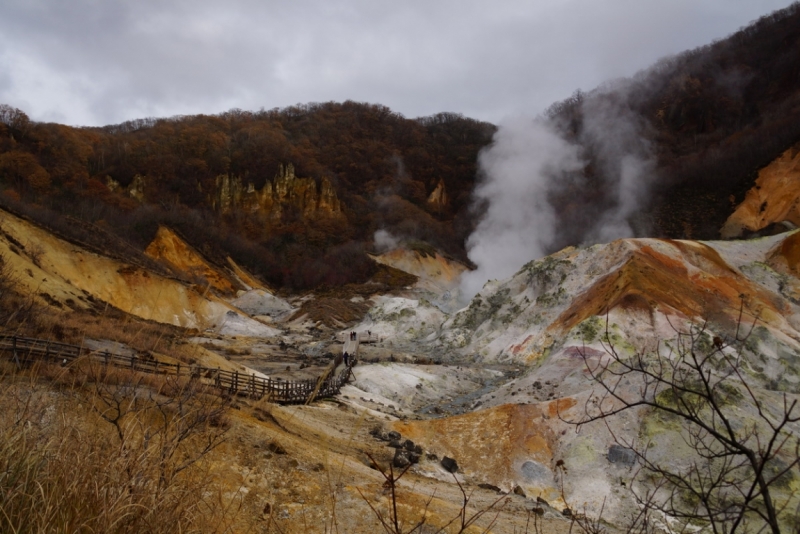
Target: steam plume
{"points": [[537, 197], [385, 241], [519, 220]]}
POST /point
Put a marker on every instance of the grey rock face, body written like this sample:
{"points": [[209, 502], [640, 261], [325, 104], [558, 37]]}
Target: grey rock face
{"points": [[621, 455]]}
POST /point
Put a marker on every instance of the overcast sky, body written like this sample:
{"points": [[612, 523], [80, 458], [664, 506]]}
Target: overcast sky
{"points": [[95, 62]]}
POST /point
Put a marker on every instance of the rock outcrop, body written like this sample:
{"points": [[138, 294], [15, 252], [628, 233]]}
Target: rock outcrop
{"points": [[437, 200], [135, 189], [435, 272], [65, 276], [284, 191], [773, 200], [169, 248]]}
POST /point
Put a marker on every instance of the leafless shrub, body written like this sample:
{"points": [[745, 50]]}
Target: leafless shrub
{"points": [[461, 522], [61, 470], [730, 482]]}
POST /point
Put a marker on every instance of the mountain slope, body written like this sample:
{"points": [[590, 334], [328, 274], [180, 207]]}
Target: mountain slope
{"points": [[521, 318], [64, 275], [704, 121], [560, 314]]}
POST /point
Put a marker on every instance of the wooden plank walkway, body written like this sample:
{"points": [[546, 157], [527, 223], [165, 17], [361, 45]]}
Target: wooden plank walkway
{"points": [[25, 351], [352, 344]]}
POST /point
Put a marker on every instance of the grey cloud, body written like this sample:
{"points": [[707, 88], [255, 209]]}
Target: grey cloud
{"points": [[100, 62]]}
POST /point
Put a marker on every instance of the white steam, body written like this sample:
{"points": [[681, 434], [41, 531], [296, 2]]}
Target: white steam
{"points": [[519, 220], [385, 241], [529, 164], [626, 164]]}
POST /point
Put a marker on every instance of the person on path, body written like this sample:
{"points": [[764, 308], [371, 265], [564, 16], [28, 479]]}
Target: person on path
{"points": [[346, 356]]}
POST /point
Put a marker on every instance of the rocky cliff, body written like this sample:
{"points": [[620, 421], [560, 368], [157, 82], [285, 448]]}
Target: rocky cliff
{"points": [[169, 248], [135, 189], [774, 199], [286, 190], [438, 200]]}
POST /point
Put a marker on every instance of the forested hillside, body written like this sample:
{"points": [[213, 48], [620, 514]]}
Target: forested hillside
{"points": [[379, 168], [711, 117], [297, 194]]}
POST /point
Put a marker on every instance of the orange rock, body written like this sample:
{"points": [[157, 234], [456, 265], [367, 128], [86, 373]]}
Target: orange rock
{"points": [[179, 255], [488, 442], [285, 190], [775, 197]]}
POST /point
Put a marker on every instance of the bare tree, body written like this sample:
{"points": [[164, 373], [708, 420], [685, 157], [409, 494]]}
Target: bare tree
{"points": [[15, 119], [463, 521], [744, 441]]}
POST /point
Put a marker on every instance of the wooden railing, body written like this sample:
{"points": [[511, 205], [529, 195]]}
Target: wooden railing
{"points": [[25, 351]]}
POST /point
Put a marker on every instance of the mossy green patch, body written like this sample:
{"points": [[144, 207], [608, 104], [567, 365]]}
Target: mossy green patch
{"points": [[590, 328], [481, 310], [547, 271], [580, 452]]}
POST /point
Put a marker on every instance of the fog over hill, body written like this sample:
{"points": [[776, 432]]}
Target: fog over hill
{"points": [[668, 152], [297, 194], [330, 317]]}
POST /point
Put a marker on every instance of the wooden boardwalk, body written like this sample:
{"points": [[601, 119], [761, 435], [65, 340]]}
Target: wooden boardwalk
{"points": [[25, 351], [351, 345]]}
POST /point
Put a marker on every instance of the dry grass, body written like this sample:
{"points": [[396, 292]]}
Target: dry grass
{"points": [[333, 312], [109, 453]]}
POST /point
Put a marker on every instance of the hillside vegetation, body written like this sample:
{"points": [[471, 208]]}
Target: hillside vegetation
{"points": [[296, 195], [710, 118], [377, 168]]}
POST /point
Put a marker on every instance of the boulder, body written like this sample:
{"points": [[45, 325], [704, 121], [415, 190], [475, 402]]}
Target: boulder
{"points": [[449, 464], [378, 433], [401, 458], [618, 454]]}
